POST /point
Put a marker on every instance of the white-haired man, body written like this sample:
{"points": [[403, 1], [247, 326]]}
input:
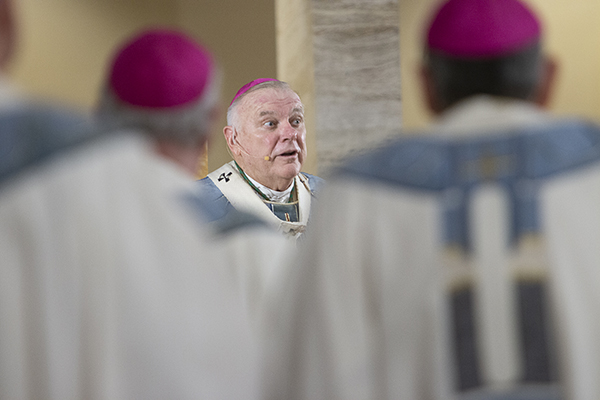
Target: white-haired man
{"points": [[110, 287], [266, 136]]}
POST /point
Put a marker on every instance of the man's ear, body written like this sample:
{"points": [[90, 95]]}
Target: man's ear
{"points": [[546, 84], [428, 89], [230, 138]]}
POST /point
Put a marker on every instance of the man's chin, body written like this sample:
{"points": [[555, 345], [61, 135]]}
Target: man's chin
{"points": [[289, 171]]}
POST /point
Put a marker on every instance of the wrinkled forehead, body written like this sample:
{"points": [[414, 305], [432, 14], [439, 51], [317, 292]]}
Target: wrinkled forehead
{"points": [[271, 100]]}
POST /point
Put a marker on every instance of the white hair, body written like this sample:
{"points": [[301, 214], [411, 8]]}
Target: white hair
{"points": [[185, 125], [232, 114]]}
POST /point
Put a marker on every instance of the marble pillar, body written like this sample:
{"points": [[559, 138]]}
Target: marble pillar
{"points": [[351, 55]]}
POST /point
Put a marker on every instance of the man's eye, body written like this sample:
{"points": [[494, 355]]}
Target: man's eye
{"points": [[296, 121], [269, 124]]}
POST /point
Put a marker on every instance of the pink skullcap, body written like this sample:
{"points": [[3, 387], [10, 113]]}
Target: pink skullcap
{"points": [[482, 28], [160, 69], [249, 85]]}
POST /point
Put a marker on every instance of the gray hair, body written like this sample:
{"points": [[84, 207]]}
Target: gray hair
{"points": [[515, 75], [232, 114], [185, 125]]}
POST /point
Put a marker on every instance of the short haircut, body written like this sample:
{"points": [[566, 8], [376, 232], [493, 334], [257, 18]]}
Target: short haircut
{"points": [[515, 75], [186, 125], [232, 115]]}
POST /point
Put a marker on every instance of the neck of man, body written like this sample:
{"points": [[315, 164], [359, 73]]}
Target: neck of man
{"points": [[278, 196], [275, 184], [281, 185]]}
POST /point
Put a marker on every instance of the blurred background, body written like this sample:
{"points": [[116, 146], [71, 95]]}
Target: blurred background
{"points": [[64, 47]]}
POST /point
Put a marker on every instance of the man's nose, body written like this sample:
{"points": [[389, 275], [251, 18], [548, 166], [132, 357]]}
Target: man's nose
{"points": [[289, 132]]}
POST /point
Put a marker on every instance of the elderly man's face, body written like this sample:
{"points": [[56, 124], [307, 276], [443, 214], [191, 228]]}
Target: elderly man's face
{"points": [[271, 137]]}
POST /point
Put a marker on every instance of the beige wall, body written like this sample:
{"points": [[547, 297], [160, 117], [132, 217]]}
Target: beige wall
{"points": [[573, 38]]}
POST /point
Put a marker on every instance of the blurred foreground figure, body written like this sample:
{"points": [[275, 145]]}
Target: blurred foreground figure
{"points": [[461, 263], [109, 286]]}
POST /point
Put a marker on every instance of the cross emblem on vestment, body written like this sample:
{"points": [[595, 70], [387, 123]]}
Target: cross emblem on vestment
{"points": [[224, 176]]}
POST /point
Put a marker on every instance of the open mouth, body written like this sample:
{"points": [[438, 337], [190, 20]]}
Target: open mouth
{"points": [[289, 153]]}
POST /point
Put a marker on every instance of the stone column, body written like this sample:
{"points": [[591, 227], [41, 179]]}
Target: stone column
{"points": [[349, 66]]}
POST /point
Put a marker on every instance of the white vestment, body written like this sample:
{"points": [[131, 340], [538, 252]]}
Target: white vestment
{"points": [[110, 288], [478, 281], [242, 197]]}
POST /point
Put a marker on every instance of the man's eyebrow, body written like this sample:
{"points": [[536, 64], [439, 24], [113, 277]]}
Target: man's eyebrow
{"points": [[269, 112]]}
